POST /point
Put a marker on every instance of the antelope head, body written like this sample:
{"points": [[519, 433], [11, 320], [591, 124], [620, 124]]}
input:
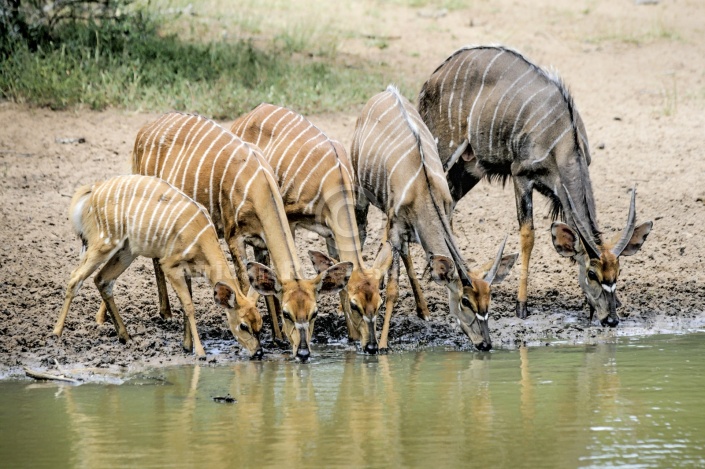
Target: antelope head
{"points": [[244, 318], [598, 261], [469, 295], [363, 292], [299, 299]]}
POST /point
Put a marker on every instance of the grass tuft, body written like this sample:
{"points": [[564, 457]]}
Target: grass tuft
{"points": [[130, 64]]}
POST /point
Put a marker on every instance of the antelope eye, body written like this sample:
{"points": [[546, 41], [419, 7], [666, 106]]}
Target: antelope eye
{"points": [[314, 315], [355, 308], [466, 302], [245, 327], [592, 275], [288, 316]]}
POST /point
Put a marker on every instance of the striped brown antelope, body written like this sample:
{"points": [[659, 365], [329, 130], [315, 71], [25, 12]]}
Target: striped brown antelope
{"points": [[497, 115], [316, 183], [397, 166], [126, 217], [235, 183]]}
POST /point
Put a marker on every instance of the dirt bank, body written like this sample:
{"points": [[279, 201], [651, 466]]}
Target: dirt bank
{"points": [[636, 73]]}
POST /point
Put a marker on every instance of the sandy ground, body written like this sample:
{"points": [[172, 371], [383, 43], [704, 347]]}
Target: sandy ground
{"points": [[637, 74]]}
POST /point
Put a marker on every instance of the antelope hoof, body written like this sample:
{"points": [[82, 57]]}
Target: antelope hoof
{"points": [[423, 314], [383, 351], [123, 338], [165, 314], [484, 347], [279, 343], [188, 348], [522, 312]]}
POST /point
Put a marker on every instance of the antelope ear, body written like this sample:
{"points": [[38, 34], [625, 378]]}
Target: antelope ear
{"points": [[224, 295], [320, 261], [263, 279], [334, 279], [505, 266], [383, 260], [638, 238], [442, 269], [565, 240]]}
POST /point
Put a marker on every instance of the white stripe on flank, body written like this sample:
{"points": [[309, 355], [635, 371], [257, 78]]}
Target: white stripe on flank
{"points": [[521, 110], [293, 179], [157, 161], [246, 192], [161, 235], [288, 147], [309, 206], [406, 188], [304, 183], [452, 91], [526, 84], [143, 204], [462, 136], [195, 153], [214, 165], [546, 114], [205, 156], [195, 240], [477, 96], [154, 132], [553, 144], [184, 227], [185, 148], [499, 104]]}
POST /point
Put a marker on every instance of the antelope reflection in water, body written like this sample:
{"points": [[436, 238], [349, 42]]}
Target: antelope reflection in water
{"points": [[172, 430]]}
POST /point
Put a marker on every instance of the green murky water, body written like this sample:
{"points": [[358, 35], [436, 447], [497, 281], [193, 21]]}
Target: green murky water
{"points": [[633, 403]]}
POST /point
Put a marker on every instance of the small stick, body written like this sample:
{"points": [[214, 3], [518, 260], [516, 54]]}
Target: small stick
{"points": [[39, 375]]}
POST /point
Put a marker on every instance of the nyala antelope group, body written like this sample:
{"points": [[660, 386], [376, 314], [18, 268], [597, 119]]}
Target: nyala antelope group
{"points": [[485, 112]]}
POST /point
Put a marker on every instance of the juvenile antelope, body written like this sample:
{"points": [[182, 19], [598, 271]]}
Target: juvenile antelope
{"points": [[235, 183], [316, 183], [497, 115], [126, 217], [398, 170]]}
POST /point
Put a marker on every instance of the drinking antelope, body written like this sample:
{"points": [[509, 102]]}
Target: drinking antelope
{"points": [[126, 217], [497, 115], [234, 182], [398, 170], [316, 183]]}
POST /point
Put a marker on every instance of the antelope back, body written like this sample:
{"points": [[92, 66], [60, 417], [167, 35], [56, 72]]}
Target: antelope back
{"points": [[395, 157], [312, 170], [158, 219], [499, 101]]}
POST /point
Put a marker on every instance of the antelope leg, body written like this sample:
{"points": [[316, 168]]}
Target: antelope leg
{"points": [[91, 260], [523, 193], [105, 280], [392, 296], [421, 305]]}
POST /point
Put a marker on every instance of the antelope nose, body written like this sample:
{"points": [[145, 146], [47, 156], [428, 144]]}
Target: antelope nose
{"points": [[610, 321], [258, 354], [484, 347], [371, 348], [303, 354]]}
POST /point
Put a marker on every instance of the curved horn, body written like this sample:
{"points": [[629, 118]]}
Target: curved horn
{"points": [[585, 235], [629, 229], [489, 277]]}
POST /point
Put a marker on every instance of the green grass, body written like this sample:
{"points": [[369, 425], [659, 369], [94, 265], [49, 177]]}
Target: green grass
{"points": [[131, 64]]}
